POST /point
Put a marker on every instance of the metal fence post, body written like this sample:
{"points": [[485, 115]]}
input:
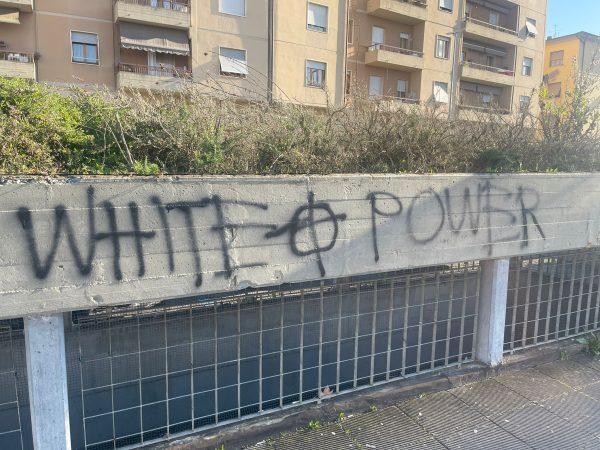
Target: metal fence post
{"points": [[47, 380], [492, 311]]}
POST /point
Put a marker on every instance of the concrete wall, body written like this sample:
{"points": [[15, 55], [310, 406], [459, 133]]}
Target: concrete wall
{"points": [[145, 240]]}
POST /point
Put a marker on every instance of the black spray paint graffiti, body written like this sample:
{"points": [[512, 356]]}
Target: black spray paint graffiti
{"points": [[313, 228], [304, 219]]}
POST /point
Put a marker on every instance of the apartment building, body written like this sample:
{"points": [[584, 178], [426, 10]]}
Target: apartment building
{"points": [[566, 58], [471, 55], [250, 49]]}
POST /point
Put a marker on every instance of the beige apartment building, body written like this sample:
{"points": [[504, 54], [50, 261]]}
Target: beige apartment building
{"points": [[473, 55], [285, 50]]}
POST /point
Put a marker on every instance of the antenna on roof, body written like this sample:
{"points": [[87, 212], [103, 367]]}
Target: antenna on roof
{"points": [[555, 34]]}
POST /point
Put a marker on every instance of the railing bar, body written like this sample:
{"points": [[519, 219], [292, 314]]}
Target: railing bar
{"points": [[435, 318], [389, 334], [216, 359], [580, 296], [373, 333], [517, 289], [526, 310], [549, 302], [405, 324], [571, 289], [538, 300], [420, 332], [320, 369], [301, 347], [589, 295], [356, 328], [239, 355], [463, 314], [192, 387], [339, 341], [560, 295], [449, 317]]}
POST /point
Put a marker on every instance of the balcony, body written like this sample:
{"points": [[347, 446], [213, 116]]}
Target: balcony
{"points": [[405, 11], [487, 30], [492, 75], [21, 5], [164, 13], [381, 55], [17, 65], [135, 76]]}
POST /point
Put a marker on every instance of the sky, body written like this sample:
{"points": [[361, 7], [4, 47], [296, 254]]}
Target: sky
{"points": [[571, 16]]}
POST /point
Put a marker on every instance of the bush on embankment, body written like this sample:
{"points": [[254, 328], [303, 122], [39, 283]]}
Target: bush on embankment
{"points": [[43, 132]]}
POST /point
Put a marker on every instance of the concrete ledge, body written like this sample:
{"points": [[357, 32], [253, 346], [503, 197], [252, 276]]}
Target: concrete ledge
{"points": [[87, 242], [130, 12]]}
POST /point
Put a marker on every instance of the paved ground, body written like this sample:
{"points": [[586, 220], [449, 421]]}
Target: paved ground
{"points": [[553, 405]]}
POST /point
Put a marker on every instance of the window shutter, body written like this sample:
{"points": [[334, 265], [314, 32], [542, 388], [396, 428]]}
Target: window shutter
{"points": [[233, 61], [440, 92], [401, 86], [84, 38], [377, 35]]}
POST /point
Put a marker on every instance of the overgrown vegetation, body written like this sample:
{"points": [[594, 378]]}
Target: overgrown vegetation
{"points": [[591, 344], [43, 132]]}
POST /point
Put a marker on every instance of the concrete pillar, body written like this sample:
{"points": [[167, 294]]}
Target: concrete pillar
{"points": [[47, 380], [492, 311]]}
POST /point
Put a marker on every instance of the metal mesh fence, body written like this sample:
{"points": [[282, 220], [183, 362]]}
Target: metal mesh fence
{"points": [[552, 297], [144, 373], [15, 422]]}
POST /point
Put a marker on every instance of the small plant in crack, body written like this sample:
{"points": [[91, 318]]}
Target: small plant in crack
{"points": [[591, 344]]}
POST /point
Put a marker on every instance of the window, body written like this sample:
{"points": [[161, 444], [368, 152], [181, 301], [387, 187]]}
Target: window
{"points": [[317, 17], [524, 101], [84, 48], [315, 74], [556, 58], [527, 67], [531, 26], [401, 90], [440, 92], [233, 62], [377, 35], [447, 5], [406, 41], [375, 86], [233, 7], [494, 18], [348, 81], [350, 31], [442, 47], [554, 90], [486, 100]]}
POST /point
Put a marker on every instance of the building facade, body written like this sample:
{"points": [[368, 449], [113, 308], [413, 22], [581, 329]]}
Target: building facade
{"points": [[254, 50], [466, 54], [566, 58]]}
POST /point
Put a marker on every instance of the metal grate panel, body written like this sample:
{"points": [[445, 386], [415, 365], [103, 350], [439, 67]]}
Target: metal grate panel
{"points": [[139, 374], [15, 422], [552, 297]]}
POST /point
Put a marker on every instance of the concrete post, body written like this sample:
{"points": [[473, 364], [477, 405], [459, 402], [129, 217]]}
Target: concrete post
{"points": [[47, 380], [492, 311]]}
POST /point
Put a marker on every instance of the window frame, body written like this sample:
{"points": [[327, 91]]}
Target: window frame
{"points": [[534, 23], [524, 66], [559, 83], [447, 39], [232, 14], [522, 107], [447, 90], [308, 26], [324, 83], [97, 45], [443, 8], [562, 58], [405, 88], [380, 94], [233, 74]]}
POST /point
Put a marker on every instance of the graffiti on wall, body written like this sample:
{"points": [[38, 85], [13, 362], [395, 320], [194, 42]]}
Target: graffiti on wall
{"points": [[313, 227]]}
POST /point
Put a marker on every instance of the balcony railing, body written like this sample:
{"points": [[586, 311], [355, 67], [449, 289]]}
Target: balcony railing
{"points": [[16, 57], [156, 71], [315, 77], [173, 5], [485, 109], [397, 99], [390, 48], [500, 70], [492, 26]]}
